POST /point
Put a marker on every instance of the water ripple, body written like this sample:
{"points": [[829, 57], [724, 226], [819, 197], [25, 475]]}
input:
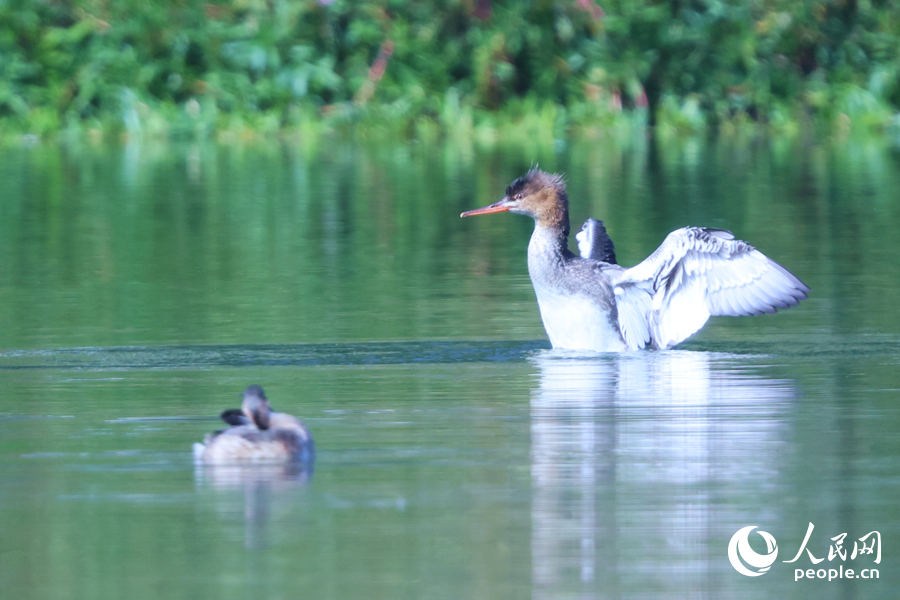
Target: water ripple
{"points": [[171, 357]]}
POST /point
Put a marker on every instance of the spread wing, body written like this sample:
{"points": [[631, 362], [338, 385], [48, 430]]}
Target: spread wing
{"points": [[696, 273], [595, 243]]}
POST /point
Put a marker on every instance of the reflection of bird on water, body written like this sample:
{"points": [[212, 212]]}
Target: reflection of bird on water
{"points": [[257, 433], [591, 303]]}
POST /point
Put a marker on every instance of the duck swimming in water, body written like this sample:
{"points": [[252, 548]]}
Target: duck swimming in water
{"points": [[257, 433], [589, 302]]}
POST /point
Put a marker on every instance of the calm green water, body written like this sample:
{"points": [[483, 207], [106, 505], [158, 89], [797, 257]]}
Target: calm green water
{"points": [[143, 288]]}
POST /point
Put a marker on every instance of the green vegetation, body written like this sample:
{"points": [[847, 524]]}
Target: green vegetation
{"points": [[454, 67]]}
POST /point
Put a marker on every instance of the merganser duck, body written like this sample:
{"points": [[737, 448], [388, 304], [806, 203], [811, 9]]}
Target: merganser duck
{"points": [[257, 433], [589, 302]]}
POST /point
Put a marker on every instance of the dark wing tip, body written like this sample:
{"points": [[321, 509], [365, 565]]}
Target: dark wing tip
{"points": [[798, 290], [789, 294]]}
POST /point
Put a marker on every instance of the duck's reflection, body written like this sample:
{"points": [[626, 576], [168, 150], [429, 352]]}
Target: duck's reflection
{"points": [[640, 463], [252, 490]]}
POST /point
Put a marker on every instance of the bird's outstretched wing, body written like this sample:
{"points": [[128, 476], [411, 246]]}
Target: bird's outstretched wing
{"points": [[595, 243], [694, 274]]}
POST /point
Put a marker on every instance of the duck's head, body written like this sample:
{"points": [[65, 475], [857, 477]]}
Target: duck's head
{"points": [[256, 406], [537, 194]]}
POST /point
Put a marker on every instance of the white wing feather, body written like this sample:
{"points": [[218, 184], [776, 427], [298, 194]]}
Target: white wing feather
{"points": [[694, 274]]}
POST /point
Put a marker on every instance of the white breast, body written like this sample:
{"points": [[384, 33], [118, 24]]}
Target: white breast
{"points": [[576, 323]]}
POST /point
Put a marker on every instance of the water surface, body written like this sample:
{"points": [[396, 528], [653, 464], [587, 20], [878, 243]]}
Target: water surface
{"points": [[142, 288]]}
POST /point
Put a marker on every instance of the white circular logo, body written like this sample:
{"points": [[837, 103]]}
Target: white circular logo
{"points": [[740, 545]]}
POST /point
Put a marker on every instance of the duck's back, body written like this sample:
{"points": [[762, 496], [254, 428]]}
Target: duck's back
{"points": [[249, 444]]}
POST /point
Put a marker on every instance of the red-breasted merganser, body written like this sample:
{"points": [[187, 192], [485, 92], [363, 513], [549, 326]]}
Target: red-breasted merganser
{"points": [[589, 302], [257, 433]]}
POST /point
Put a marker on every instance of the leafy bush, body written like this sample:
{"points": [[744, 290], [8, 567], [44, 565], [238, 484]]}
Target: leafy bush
{"points": [[194, 67]]}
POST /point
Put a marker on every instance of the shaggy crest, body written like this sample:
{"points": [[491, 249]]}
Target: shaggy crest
{"points": [[535, 179]]}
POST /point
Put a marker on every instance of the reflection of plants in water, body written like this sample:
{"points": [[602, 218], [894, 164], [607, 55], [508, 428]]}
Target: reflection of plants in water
{"points": [[205, 243]]}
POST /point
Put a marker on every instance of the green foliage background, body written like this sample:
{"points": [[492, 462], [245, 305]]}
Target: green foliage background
{"points": [[187, 67]]}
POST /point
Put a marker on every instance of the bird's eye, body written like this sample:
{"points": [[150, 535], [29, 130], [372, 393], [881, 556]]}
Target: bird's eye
{"points": [[518, 196]]}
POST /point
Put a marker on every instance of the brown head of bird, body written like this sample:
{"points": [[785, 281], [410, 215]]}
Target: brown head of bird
{"points": [[537, 194]]}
